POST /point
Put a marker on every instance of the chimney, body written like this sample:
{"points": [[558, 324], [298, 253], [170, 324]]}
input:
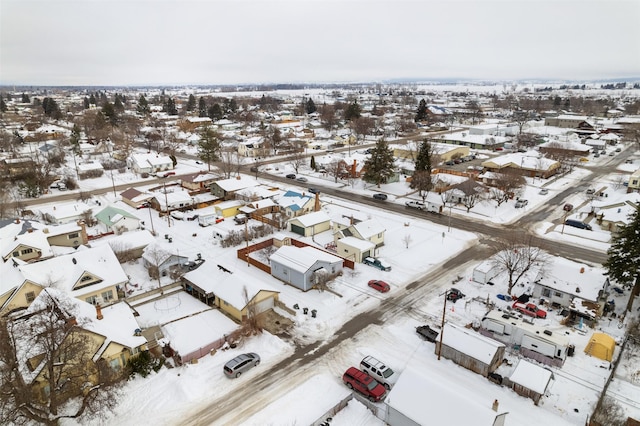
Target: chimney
{"points": [[582, 270], [99, 314], [17, 220], [30, 230], [316, 207], [494, 407], [353, 169]]}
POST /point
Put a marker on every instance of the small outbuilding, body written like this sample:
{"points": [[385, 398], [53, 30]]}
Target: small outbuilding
{"points": [[601, 346], [484, 272], [530, 380]]}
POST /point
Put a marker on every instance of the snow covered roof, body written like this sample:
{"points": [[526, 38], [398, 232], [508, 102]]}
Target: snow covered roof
{"points": [[362, 245], [521, 160], [196, 331], [470, 343], [531, 376], [301, 259], [293, 200], [229, 286], [369, 228], [65, 272], [128, 240], [311, 219], [572, 278], [448, 402], [36, 240], [111, 215], [235, 184], [156, 253]]}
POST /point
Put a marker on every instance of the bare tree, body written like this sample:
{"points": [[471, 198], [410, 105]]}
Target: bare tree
{"points": [[298, 157], [608, 413], [62, 380], [250, 324], [516, 256], [334, 169], [230, 163], [407, 240], [472, 193]]}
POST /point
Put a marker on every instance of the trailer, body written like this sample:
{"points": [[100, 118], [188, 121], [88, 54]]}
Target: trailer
{"points": [[532, 341], [209, 219], [485, 272]]}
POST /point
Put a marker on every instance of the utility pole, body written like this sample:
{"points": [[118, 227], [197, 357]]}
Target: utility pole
{"points": [[166, 202], [444, 311]]}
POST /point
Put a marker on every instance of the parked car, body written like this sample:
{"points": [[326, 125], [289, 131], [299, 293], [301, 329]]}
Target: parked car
{"points": [[144, 205], [238, 365], [544, 191], [618, 149], [454, 295], [376, 263], [290, 176], [380, 196], [313, 190], [449, 163], [363, 383], [529, 309], [254, 169], [427, 333], [165, 174], [302, 179], [381, 286], [379, 371], [62, 186], [521, 203], [240, 219], [415, 204], [591, 191], [567, 207], [578, 224]]}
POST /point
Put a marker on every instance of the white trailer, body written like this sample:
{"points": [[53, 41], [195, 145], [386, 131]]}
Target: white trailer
{"points": [[433, 207], [485, 272]]}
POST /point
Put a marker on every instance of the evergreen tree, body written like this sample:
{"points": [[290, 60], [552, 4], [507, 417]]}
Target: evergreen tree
{"points": [[624, 256], [233, 105], [3, 106], [215, 112], [92, 100], [143, 106], [352, 112], [110, 113], [313, 162], [25, 99], [118, 105], [380, 165], [86, 103], [74, 139], [421, 113], [170, 106], [51, 108], [421, 179], [310, 108], [202, 107], [209, 146], [191, 103]]}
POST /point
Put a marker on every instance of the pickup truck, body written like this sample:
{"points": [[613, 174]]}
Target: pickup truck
{"points": [[428, 206], [376, 263], [427, 333]]}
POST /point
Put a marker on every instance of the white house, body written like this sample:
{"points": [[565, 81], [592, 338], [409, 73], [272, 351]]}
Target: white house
{"points": [[113, 219], [149, 163]]}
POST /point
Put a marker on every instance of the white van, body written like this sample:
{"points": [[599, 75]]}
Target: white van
{"points": [[379, 371]]}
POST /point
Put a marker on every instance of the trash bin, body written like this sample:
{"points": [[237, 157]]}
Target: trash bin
{"points": [[571, 350]]}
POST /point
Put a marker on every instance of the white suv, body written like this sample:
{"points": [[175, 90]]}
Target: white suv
{"points": [[379, 371]]}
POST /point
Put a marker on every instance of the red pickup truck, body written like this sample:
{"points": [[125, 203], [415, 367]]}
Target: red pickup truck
{"points": [[530, 309]]}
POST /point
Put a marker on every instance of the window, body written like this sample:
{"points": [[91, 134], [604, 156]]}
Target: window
{"points": [[85, 278], [546, 292], [91, 300], [27, 251], [107, 295], [557, 294], [72, 236], [16, 253], [30, 296]]}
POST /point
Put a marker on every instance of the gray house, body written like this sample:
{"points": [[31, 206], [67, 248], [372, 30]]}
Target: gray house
{"points": [[304, 267]]}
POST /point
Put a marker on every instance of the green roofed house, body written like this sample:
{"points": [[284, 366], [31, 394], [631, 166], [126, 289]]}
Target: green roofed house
{"points": [[113, 219]]}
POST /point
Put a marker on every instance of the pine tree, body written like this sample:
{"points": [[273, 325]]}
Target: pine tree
{"points": [[143, 106], [85, 103], [25, 99], [421, 113], [110, 113], [170, 106], [51, 108], [3, 106], [624, 256], [310, 107], [380, 165], [202, 107], [209, 146], [215, 112], [421, 179], [117, 104], [191, 103], [92, 99], [313, 162], [352, 112]]}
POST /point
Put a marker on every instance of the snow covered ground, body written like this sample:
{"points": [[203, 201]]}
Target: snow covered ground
{"points": [[168, 396]]}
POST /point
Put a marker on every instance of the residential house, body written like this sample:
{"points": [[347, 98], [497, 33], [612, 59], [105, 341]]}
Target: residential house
{"points": [[369, 230], [172, 198], [564, 149], [28, 247], [233, 291], [295, 204], [90, 274], [523, 164], [253, 147], [353, 248], [163, 258], [613, 216], [149, 163], [580, 288], [63, 213], [67, 235], [448, 399], [569, 121], [304, 267], [127, 246], [225, 189], [94, 335], [228, 208], [634, 182], [13, 167], [470, 349], [135, 198], [445, 152], [113, 219], [310, 224], [197, 182], [471, 141], [90, 169]]}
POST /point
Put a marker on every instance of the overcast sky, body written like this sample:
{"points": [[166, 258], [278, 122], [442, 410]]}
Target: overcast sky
{"points": [[148, 42]]}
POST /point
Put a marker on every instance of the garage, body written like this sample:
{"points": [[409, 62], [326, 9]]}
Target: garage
{"points": [[296, 229]]}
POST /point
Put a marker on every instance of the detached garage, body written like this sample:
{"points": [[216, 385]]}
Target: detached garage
{"points": [[310, 224]]}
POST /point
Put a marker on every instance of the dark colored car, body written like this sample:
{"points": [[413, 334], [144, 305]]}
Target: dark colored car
{"points": [[380, 196], [568, 207], [363, 383], [254, 169], [381, 286], [313, 190], [454, 294], [427, 333], [290, 176]]}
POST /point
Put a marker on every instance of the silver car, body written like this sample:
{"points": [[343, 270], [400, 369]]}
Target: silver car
{"points": [[240, 364]]}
